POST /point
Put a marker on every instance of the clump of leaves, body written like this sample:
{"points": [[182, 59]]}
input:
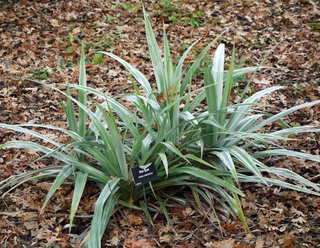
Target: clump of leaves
{"points": [[40, 74], [171, 9], [314, 25], [131, 6], [98, 60], [63, 65], [206, 150]]}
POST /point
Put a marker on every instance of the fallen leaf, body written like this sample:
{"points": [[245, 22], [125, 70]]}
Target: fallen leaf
{"points": [[259, 243], [188, 212]]}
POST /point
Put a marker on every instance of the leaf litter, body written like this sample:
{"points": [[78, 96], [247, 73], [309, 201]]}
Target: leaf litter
{"points": [[41, 39]]}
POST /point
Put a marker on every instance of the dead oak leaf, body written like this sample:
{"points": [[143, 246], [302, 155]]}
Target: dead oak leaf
{"points": [[163, 97], [124, 223], [299, 220], [55, 23], [208, 244], [302, 230], [134, 232], [213, 217], [141, 244], [30, 225], [179, 237], [175, 219], [28, 216], [259, 243], [295, 193], [3, 222], [286, 241], [297, 212], [223, 244], [164, 229], [188, 212], [166, 238], [134, 219], [280, 210], [114, 241]]}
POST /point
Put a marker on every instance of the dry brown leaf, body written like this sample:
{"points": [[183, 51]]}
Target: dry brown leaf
{"points": [[28, 216], [114, 241], [141, 244], [229, 243], [30, 225], [299, 220], [134, 219], [188, 212], [166, 238], [161, 98], [260, 242], [3, 222]]}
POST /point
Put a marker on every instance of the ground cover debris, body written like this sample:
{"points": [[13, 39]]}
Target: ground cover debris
{"points": [[42, 40]]}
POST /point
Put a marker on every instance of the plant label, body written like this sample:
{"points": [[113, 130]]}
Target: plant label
{"points": [[144, 175]]}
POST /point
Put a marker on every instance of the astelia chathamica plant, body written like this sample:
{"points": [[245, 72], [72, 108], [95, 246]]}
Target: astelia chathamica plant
{"points": [[206, 150]]}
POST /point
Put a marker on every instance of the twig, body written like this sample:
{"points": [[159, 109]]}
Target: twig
{"points": [[315, 178], [193, 231], [83, 234], [24, 242], [53, 245], [156, 241], [51, 215], [124, 89], [18, 136], [119, 243], [5, 244], [206, 214], [119, 227]]}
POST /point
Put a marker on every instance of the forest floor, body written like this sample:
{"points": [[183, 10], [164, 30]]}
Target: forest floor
{"points": [[41, 39]]}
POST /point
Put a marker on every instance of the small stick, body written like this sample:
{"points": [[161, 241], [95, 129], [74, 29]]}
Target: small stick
{"points": [[24, 242]]}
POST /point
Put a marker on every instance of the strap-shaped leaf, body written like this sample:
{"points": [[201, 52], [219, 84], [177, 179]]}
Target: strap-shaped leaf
{"points": [[146, 211], [80, 183], [171, 147], [196, 63], [245, 178], [168, 66], [29, 132], [95, 173], [241, 111], [207, 177], [82, 95], [245, 159], [282, 114], [135, 72], [71, 116], [116, 141], [154, 51], [96, 232], [216, 91], [165, 163], [226, 91], [64, 173], [166, 214], [199, 160], [226, 158]]}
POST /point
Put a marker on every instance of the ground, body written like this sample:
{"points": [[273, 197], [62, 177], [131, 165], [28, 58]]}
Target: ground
{"points": [[41, 39]]}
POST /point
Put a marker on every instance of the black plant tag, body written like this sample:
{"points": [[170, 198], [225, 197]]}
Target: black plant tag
{"points": [[142, 176]]}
